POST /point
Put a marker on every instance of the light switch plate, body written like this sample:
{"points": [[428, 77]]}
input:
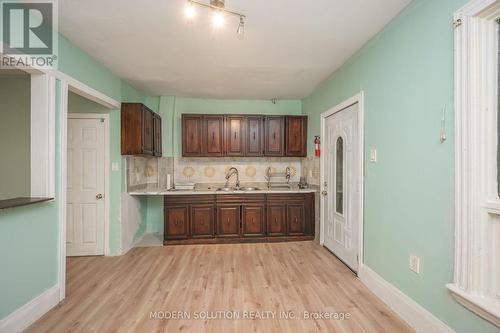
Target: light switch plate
{"points": [[115, 166], [414, 263], [373, 155]]}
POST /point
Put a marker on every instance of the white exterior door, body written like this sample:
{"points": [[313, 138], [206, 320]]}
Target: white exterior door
{"points": [[85, 185], [341, 204]]}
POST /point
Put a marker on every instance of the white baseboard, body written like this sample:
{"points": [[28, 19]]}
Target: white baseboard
{"points": [[30, 312], [413, 313]]}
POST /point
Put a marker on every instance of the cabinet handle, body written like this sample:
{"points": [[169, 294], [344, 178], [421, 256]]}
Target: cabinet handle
{"points": [[276, 220], [213, 137], [227, 221], [253, 220], [254, 136], [274, 136], [235, 135]]}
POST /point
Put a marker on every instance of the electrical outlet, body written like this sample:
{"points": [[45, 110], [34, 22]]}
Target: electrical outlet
{"points": [[373, 155], [414, 263]]}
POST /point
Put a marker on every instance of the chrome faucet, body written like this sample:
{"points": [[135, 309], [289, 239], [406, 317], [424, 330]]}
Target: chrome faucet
{"points": [[230, 173]]}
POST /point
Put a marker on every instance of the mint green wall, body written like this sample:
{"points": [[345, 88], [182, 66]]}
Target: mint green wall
{"points": [[15, 130], [406, 72], [29, 245]]}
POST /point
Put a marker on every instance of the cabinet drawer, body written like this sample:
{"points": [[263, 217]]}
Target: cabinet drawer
{"points": [[176, 222]]}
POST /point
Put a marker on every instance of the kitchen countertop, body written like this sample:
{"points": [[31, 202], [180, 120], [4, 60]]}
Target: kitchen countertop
{"points": [[213, 190]]}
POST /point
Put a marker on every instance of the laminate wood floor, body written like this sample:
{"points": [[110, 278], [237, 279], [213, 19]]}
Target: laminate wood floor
{"points": [[260, 283]]}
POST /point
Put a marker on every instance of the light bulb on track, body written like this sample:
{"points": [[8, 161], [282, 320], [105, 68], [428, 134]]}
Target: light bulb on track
{"points": [[218, 20], [190, 11]]}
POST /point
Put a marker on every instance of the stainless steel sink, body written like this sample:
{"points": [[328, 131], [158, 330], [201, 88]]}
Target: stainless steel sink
{"points": [[226, 189], [249, 188], [240, 189]]}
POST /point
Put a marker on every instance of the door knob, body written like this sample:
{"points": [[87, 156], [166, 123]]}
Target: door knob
{"points": [[98, 196], [324, 193]]}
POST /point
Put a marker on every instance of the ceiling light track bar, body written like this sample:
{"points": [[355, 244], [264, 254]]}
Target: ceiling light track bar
{"points": [[216, 8]]}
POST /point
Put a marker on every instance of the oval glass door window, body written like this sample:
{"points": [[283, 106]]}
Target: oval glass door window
{"points": [[339, 177]]}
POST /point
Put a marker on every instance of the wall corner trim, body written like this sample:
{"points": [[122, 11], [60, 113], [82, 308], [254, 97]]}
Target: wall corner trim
{"points": [[420, 319], [30, 312]]}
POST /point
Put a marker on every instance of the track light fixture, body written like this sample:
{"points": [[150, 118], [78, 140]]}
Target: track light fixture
{"points": [[218, 19]]}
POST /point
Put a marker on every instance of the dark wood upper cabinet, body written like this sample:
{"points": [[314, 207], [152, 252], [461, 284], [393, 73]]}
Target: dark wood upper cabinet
{"points": [[296, 136], [254, 136], [140, 130], [213, 136], [157, 135], [192, 135], [235, 135], [241, 135], [274, 139]]}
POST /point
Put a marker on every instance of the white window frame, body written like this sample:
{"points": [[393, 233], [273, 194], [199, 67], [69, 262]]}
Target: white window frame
{"points": [[477, 206]]}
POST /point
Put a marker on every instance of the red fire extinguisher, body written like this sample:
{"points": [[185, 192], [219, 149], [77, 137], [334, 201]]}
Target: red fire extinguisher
{"points": [[317, 150]]}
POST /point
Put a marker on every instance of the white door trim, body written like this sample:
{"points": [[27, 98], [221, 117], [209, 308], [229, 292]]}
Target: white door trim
{"points": [[106, 168], [70, 84], [358, 98]]}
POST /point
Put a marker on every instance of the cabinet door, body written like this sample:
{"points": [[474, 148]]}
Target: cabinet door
{"points": [[253, 220], [254, 136], [176, 222], [276, 223], [191, 135], [213, 134], [157, 135], [202, 221], [147, 132], [295, 218], [274, 136], [228, 220], [296, 136], [235, 133]]}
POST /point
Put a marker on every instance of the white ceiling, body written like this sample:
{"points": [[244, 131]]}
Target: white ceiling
{"points": [[290, 46]]}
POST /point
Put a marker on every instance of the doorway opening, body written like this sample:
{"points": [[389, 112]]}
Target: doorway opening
{"points": [[87, 178]]}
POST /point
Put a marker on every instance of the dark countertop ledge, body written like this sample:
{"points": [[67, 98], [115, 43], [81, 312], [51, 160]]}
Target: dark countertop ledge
{"points": [[23, 201]]}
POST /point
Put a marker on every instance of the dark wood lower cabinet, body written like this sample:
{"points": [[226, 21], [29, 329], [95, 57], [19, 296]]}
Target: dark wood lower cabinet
{"points": [[238, 218], [276, 223], [202, 221], [252, 220], [228, 221], [176, 222]]}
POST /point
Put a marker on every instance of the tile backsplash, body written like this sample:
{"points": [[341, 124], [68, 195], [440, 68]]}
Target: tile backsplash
{"points": [[143, 172], [213, 170], [310, 169]]}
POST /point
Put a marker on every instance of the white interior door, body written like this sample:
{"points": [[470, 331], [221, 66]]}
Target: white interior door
{"points": [[85, 192], [341, 204]]}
